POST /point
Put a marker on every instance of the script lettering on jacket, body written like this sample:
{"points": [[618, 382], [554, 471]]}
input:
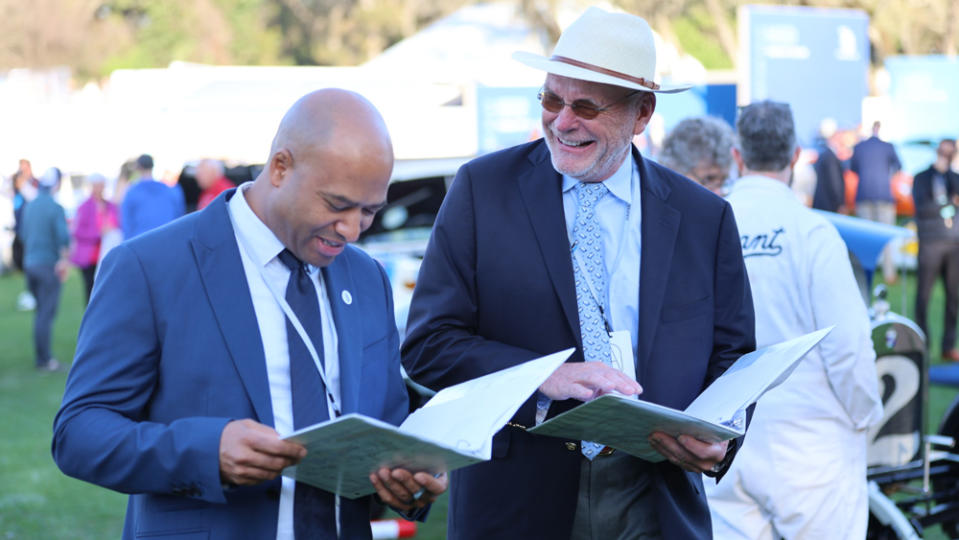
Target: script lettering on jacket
{"points": [[763, 244]]}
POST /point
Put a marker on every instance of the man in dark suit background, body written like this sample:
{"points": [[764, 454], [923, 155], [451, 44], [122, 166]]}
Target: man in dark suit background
{"points": [[556, 243], [935, 192], [187, 371], [830, 194], [875, 161]]}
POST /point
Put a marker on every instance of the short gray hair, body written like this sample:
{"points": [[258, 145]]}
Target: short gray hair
{"points": [[767, 136], [695, 140]]}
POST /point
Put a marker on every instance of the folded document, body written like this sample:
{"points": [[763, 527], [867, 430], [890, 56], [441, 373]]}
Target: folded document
{"points": [[718, 414], [453, 429]]}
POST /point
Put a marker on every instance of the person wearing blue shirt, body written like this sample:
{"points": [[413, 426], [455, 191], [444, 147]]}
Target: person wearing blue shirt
{"points": [[43, 230], [149, 203]]}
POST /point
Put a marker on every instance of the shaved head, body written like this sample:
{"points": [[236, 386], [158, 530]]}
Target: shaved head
{"points": [[332, 119], [328, 173]]}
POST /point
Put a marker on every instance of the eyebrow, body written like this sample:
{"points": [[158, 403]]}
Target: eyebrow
{"points": [[346, 201]]}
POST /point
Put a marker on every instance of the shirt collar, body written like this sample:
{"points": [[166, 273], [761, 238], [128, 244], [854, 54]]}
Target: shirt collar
{"points": [[619, 184], [265, 246]]}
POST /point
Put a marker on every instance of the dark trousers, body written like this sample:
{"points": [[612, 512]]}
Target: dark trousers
{"points": [[938, 259], [45, 287], [88, 274]]}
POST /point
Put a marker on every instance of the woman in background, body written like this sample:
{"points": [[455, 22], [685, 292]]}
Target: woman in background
{"points": [[95, 217]]}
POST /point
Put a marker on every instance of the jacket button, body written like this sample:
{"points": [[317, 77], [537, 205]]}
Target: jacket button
{"points": [[571, 446]]}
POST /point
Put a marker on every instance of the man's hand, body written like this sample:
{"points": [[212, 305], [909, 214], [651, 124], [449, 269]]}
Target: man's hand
{"points": [[587, 380], [251, 453], [688, 452], [405, 491]]}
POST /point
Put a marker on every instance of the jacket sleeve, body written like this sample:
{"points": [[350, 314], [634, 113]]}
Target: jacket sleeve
{"points": [[101, 433], [847, 352], [734, 331], [442, 347]]}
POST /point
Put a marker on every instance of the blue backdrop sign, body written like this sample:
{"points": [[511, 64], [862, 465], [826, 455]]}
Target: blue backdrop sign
{"points": [[815, 59]]}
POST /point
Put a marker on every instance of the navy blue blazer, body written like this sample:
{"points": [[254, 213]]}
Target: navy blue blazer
{"points": [[496, 289], [169, 351]]}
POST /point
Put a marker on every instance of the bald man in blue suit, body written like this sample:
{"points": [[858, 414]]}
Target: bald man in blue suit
{"points": [[182, 381]]}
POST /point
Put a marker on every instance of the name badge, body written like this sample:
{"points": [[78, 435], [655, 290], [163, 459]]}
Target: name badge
{"points": [[621, 354]]}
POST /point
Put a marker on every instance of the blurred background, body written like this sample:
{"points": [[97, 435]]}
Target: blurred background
{"points": [[88, 85]]}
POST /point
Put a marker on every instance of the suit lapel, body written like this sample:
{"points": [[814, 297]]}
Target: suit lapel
{"points": [[341, 291], [660, 226], [541, 190], [221, 270]]}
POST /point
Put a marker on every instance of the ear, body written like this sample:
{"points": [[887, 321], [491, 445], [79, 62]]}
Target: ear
{"points": [[281, 162], [795, 158], [647, 105], [738, 158]]}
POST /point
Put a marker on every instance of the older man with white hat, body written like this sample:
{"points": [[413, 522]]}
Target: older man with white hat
{"points": [[577, 241]]}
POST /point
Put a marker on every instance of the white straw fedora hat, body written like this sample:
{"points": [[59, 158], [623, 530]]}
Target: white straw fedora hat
{"points": [[604, 47]]}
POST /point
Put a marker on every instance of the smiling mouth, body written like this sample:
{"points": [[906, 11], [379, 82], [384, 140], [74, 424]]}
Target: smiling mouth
{"points": [[573, 144], [331, 243]]}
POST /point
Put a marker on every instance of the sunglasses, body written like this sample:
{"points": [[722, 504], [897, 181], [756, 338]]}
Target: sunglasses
{"points": [[581, 107]]}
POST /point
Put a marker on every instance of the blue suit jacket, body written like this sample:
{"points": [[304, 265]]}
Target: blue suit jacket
{"points": [[875, 161], [169, 351], [496, 289]]}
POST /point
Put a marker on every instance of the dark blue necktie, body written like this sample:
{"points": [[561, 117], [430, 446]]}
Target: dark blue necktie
{"points": [[313, 509]]}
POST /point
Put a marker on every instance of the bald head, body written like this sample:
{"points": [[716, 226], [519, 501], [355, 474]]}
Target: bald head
{"points": [[333, 119], [328, 173]]}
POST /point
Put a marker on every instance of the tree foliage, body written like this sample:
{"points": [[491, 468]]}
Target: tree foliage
{"points": [[95, 36]]}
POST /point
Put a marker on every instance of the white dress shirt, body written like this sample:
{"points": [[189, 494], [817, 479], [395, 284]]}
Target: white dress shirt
{"points": [[259, 248], [619, 215]]}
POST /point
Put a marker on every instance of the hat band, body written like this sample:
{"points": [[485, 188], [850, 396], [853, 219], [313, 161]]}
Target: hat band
{"points": [[638, 80]]}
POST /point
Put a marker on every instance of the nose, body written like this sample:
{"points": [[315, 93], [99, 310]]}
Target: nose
{"points": [[350, 226], [565, 119]]}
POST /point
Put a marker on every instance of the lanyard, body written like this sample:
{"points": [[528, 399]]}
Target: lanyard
{"points": [[333, 408], [623, 240], [592, 291]]}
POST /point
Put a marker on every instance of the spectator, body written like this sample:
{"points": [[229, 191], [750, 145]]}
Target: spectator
{"points": [[212, 182], [935, 192], [187, 371], [575, 240], [148, 203], [701, 148], [830, 194], [801, 472], [45, 248], [875, 161], [95, 217]]}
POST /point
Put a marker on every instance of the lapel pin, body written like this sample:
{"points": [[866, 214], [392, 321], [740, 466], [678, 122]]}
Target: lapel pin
{"points": [[347, 297]]}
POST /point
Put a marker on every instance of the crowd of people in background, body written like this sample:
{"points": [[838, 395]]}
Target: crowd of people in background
{"points": [[46, 243]]}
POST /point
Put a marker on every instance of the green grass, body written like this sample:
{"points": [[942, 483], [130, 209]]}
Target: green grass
{"points": [[37, 501]]}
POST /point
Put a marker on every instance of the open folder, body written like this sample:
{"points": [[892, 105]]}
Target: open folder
{"points": [[453, 429], [718, 414]]}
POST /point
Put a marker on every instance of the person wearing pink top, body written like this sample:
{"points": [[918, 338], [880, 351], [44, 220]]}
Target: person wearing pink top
{"points": [[94, 217]]}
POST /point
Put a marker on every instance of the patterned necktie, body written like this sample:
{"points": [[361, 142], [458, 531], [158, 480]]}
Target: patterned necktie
{"points": [[589, 271], [313, 509]]}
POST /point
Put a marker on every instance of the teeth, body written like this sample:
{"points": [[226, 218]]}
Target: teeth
{"points": [[327, 242], [573, 143]]}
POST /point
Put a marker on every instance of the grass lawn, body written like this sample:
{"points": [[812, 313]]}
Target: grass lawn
{"points": [[37, 501]]}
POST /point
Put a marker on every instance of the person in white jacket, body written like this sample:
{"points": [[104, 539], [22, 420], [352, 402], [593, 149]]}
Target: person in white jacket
{"points": [[801, 472]]}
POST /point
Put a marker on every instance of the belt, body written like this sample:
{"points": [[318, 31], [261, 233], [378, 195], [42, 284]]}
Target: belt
{"points": [[606, 451]]}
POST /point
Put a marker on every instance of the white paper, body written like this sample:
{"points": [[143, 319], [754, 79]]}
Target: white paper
{"points": [[452, 430], [624, 424], [750, 377]]}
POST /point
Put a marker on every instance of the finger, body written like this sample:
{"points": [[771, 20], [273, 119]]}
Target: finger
{"points": [[703, 450], [405, 478], [434, 485], [673, 451], [385, 489]]}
